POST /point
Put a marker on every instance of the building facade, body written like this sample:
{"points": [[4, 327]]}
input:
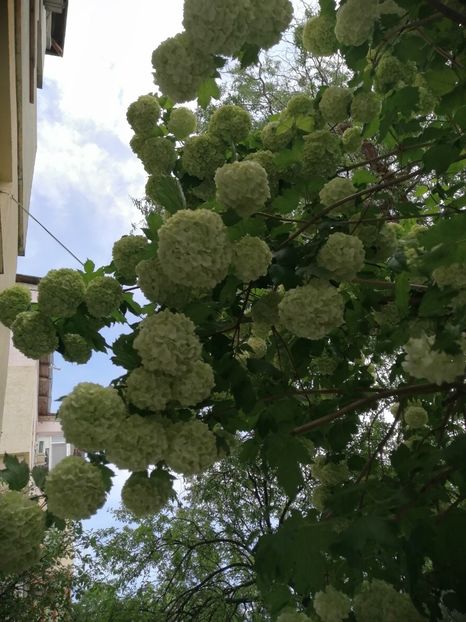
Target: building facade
{"points": [[29, 29]]}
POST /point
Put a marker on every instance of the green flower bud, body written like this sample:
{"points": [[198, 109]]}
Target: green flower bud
{"points": [[379, 600], [61, 292], [267, 21], [103, 295], [336, 190], [13, 301], [22, 528], [127, 252], [182, 122], [351, 139], [332, 605], [34, 334], [143, 495], [194, 249], [143, 114], [75, 489], [251, 258], [312, 311], [243, 187], [319, 36], [90, 415], [76, 349], [167, 343], [389, 72], [274, 139], [300, 104], [415, 417], [230, 123]]}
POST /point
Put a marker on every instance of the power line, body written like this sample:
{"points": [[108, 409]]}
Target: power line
{"points": [[43, 226]]}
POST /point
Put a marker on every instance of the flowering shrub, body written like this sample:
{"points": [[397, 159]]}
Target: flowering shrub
{"points": [[182, 122], [322, 154], [202, 155], [34, 334], [76, 349], [251, 258], [143, 495], [319, 36], [230, 123], [13, 301], [242, 186], [335, 104], [342, 255], [378, 599], [331, 605], [127, 252], [103, 295], [192, 447], [355, 22], [143, 114], [148, 390], [61, 292]]}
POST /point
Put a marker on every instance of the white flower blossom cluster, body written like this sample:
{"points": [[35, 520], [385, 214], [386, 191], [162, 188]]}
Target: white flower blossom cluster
{"points": [[158, 155], [267, 160], [268, 19], [90, 415], [103, 295], [76, 349], [275, 140], [300, 104], [319, 36], [75, 489], [355, 21], [22, 528], [195, 385], [313, 310], [242, 186], [351, 139], [331, 605], [251, 258], [230, 123], [194, 249], [143, 114], [143, 495], [192, 447], [147, 390], [158, 288], [336, 190], [453, 275], [321, 154], [335, 104], [389, 73], [364, 107], [34, 334], [179, 69], [379, 600], [202, 156], [182, 122], [423, 362], [13, 301], [415, 417], [138, 443], [343, 255], [127, 252], [61, 292]]}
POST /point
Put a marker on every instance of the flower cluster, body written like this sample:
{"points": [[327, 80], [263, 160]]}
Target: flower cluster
{"points": [[242, 186], [34, 334], [389, 73], [267, 21], [453, 275], [343, 255], [351, 139], [13, 301], [275, 140], [415, 417], [230, 123], [182, 122], [75, 489], [251, 258], [158, 156], [422, 361], [167, 343], [312, 311], [202, 155], [192, 447], [379, 600], [300, 104], [336, 190], [22, 528], [266, 159], [355, 21], [293, 616], [103, 295], [158, 288], [217, 27], [61, 292], [364, 107], [147, 390], [76, 349], [194, 249], [322, 154], [335, 104], [90, 415], [179, 69], [138, 442], [195, 385], [127, 252], [331, 605], [143, 495], [143, 114], [319, 36]]}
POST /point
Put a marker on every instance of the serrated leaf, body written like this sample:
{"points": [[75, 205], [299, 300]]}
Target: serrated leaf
{"points": [[439, 157], [39, 475], [207, 91], [15, 473]]}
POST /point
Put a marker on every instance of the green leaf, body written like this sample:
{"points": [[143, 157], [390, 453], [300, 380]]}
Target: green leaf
{"points": [[460, 118], [207, 91], [284, 453], [107, 475], [248, 55], [89, 266], [402, 290], [286, 202], [440, 156], [15, 473], [39, 475], [154, 222], [168, 193], [441, 81], [305, 123]]}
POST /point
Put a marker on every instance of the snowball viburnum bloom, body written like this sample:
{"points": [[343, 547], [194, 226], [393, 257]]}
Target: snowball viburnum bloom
{"points": [[61, 292], [423, 362], [342, 255], [242, 186], [143, 495], [378, 600], [127, 252], [13, 301], [335, 104], [148, 390], [143, 114], [182, 122], [251, 258], [192, 447], [355, 21], [319, 35], [312, 311], [167, 343], [194, 249], [230, 123], [34, 334], [415, 417], [331, 605]]}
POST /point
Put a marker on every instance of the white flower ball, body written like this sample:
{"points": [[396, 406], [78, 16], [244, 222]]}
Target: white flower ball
{"points": [[251, 258], [321, 154], [423, 362], [76, 349], [192, 447], [351, 139], [195, 385], [335, 104], [312, 311], [143, 114], [34, 334], [319, 36], [415, 417], [336, 190], [143, 495], [355, 21], [202, 156], [182, 122], [453, 275], [13, 301], [242, 186], [158, 288], [148, 390], [103, 295], [343, 255], [267, 22], [158, 156], [329, 473], [167, 343], [364, 107], [194, 249], [127, 252], [379, 600], [331, 605], [273, 139], [61, 292], [230, 123]]}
